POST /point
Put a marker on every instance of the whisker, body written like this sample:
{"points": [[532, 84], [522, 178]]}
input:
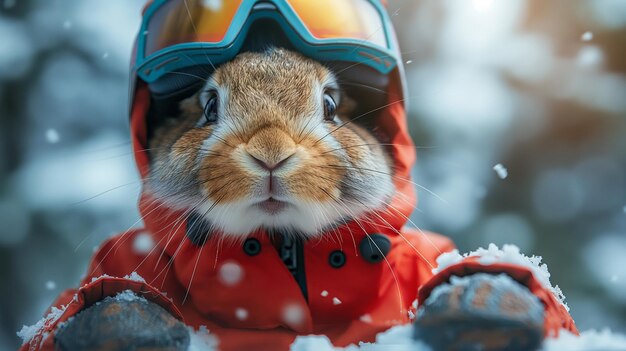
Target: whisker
{"points": [[391, 175]]}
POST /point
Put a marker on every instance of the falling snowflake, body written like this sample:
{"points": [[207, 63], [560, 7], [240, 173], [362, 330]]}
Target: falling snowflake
{"points": [[336, 301], [105, 55], [293, 315], [587, 36], [230, 273], [67, 24], [324, 293], [408, 62], [213, 5], [590, 56], [501, 171], [614, 278], [366, 318], [50, 285], [52, 136], [143, 243], [241, 314]]}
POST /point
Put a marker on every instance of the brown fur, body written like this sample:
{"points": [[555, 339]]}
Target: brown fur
{"points": [[270, 109]]}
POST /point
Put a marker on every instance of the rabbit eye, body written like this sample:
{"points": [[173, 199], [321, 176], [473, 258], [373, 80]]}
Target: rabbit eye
{"points": [[210, 109], [330, 107]]}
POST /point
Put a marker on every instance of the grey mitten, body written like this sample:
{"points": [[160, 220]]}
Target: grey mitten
{"points": [[123, 324], [481, 312]]}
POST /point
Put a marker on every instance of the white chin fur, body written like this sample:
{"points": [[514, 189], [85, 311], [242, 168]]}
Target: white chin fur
{"points": [[241, 219]]}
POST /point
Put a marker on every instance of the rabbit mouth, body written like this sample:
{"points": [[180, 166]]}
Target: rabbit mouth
{"points": [[272, 206]]}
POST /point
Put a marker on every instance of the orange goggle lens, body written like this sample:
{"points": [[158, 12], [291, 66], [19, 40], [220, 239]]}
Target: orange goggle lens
{"points": [[208, 21], [188, 21], [341, 19]]}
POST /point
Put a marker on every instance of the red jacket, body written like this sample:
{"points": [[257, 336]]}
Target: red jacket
{"points": [[251, 301]]}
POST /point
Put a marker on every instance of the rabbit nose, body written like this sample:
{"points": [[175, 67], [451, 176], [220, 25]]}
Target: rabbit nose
{"points": [[270, 148], [271, 165]]}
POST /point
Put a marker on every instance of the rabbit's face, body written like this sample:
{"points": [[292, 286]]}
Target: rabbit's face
{"points": [[265, 144]]}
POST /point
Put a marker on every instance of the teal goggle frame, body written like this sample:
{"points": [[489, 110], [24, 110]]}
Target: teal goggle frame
{"points": [[174, 58]]}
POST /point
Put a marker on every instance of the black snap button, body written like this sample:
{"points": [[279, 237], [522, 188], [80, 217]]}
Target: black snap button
{"points": [[375, 247], [252, 247], [337, 259]]}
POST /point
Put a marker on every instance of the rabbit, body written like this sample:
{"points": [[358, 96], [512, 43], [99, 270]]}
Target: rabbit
{"points": [[269, 143]]}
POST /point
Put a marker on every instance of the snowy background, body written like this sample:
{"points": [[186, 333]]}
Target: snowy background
{"points": [[536, 86]]}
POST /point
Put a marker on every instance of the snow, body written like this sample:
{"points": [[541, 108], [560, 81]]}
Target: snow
{"points": [[230, 273], [501, 171], [408, 62], [52, 136], [395, 339], [136, 277], [29, 331], [590, 340], [51, 285], [202, 340], [241, 314], [366, 318], [587, 36], [128, 296], [143, 243], [324, 293], [293, 315], [508, 254], [336, 301], [411, 315], [316, 343], [93, 279], [67, 24], [213, 5], [399, 338], [133, 276], [590, 56]]}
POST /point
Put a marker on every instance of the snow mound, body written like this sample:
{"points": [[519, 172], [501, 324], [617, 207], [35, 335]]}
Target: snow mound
{"points": [[136, 277], [399, 338], [128, 296], [590, 340], [202, 340], [133, 276], [29, 331], [508, 254]]}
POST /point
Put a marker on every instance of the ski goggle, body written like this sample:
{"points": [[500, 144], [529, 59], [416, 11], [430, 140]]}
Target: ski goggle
{"points": [[176, 34]]}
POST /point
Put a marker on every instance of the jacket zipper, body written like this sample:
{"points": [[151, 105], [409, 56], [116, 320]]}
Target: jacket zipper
{"points": [[292, 255]]}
